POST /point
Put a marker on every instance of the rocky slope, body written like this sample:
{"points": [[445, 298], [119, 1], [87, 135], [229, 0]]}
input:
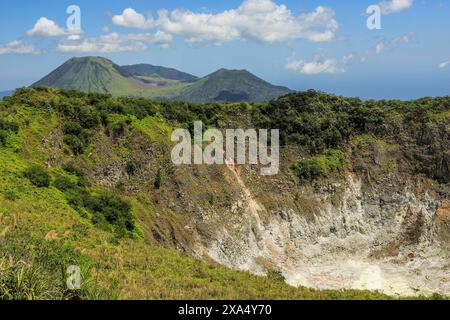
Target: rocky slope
{"points": [[377, 225], [381, 221]]}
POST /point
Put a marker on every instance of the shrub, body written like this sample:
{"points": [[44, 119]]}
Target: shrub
{"points": [[77, 198], [3, 138], [105, 209], [334, 159], [38, 176], [73, 128], [158, 179], [88, 118], [112, 209], [211, 198], [9, 126], [119, 129], [76, 144], [276, 275], [308, 169], [131, 168], [72, 169], [64, 183], [314, 168], [5, 127]]}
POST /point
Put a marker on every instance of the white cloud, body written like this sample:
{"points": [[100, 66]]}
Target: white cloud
{"points": [[261, 20], [444, 64], [405, 39], [18, 47], [394, 6], [161, 38], [383, 45], [115, 42], [317, 66], [347, 58], [379, 48], [130, 18], [46, 28], [74, 37]]}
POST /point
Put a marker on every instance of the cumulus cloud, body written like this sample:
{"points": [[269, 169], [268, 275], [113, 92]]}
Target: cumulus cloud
{"points": [[317, 66], [132, 19], [161, 38], [261, 20], [115, 42], [394, 6], [444, 64], [46, 28], [18, 47]]}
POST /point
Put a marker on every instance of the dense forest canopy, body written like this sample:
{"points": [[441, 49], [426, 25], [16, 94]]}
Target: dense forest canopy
{"points": [[316, 122]]}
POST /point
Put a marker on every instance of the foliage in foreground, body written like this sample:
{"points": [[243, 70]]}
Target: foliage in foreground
{"points": [[34, 269]]}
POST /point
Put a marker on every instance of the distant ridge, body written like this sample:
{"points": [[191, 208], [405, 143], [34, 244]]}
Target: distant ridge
{"points": [[97, 74], [148, 70]]}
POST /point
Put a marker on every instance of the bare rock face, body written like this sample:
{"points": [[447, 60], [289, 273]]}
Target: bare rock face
{"points": [[377, 239]]}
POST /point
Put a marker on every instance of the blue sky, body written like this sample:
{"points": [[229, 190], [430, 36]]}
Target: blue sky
{"points": [[319, 44]]}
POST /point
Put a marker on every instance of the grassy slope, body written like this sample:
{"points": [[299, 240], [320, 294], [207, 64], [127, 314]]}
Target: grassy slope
{"points": [[41, 233], [87, 74], [126, 87]]}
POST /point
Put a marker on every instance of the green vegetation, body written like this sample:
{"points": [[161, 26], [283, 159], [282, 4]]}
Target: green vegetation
{"points": [[316, 167], [72, 214], [314, 120], [3, 138], [231, 86], [38, 176], [90, 74], [158, 179], [106, 210], [276, 275], [35, 269], [147, 70], [5, 128], [364, 141]]}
